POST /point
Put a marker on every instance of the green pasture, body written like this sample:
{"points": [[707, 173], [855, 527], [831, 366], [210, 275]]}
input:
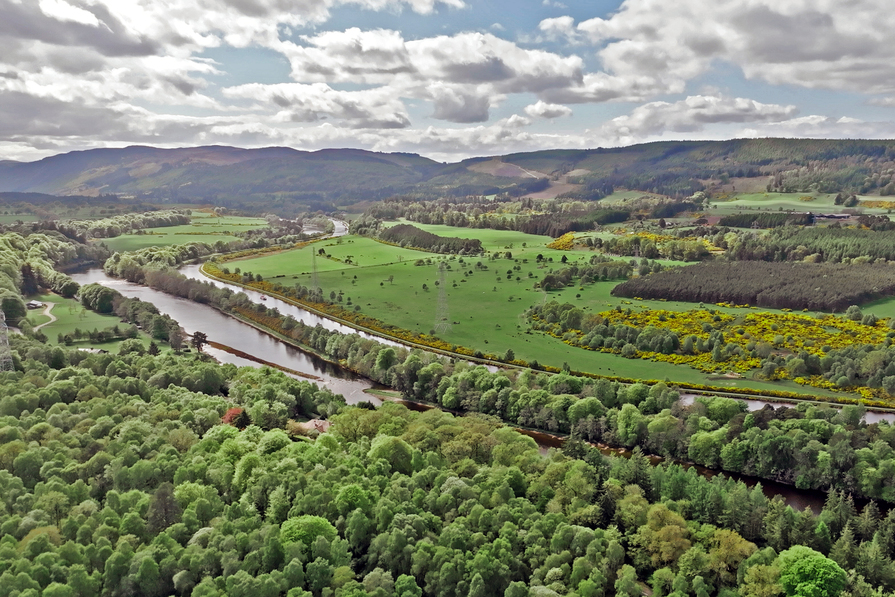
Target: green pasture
{"points": [[485, 307], [203, 228], [12, 219], [70, 315], [822, 202], [775, 202], [881, 308], [487, 315], [346, 253], [520, 244]]}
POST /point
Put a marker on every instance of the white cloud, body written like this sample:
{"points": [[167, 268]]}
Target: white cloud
{"points": [[690, 115], [378, 56], [463, 75], [353, 55], [63, 11], [542, 109], [93, 72], [823, 127], [809, 43], [517, 122], [315, 102], [558, 27]]}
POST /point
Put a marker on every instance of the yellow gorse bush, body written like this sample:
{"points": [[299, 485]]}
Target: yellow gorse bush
{"points": [[788, 332], [563, 243]]}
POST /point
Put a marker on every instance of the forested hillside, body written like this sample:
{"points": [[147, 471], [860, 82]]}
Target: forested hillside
{"points": [[287, 181]]}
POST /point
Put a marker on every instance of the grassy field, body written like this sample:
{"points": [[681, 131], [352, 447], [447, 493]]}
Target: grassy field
{"points": [[822, 203], [204, 227], [70, 315], [12, 219], [486, 307]]}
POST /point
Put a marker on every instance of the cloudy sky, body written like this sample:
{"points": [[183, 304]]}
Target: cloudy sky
{"points": [[444, 78]]}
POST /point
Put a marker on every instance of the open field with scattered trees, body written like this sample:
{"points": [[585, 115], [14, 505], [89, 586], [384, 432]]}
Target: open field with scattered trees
{"points": [[72, 316], [486, 308], [203, 227]]}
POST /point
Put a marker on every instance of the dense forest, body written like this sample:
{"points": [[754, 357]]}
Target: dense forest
{"points": [[119, 478], [766, 220], [407, 235], [832, 244], [813, 286], [548, 218]]}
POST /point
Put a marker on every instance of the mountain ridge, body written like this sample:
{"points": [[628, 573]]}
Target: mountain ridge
{"points": [[344, 176]]}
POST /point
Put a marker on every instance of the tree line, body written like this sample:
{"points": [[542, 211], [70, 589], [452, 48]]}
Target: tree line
{"points": [[776, 285], [546, 218], [30, 261], [128, 223], [407, 235], [832, 244], [766, 220]]}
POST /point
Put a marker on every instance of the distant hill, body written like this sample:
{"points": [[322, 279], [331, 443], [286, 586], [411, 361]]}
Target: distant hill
{"points": [[679, 168], [286, 179]]}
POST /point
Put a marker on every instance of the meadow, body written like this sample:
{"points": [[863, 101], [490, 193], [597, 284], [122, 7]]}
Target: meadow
{"points": [[820, 203], [12, 219], [485, 306], [204, 227], [71, 315]]}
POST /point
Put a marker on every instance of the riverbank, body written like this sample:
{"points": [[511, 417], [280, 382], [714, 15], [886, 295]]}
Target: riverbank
{"points": [[777, 396], [238, 326]]}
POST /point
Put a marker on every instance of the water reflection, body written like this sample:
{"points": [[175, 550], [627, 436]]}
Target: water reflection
{"points": [[306, 317], [232, 332]]}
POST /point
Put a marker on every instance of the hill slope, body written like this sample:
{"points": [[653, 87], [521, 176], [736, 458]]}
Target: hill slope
{"points": [[284, 178]]}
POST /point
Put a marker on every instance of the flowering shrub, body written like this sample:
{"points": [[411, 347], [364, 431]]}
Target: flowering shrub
{"points": [[563, 243], [716, 342]]}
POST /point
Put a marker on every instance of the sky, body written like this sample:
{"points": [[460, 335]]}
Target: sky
{"points": [[447, 79]]}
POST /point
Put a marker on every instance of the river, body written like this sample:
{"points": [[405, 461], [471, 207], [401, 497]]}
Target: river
{"points": [[306, 317], [871, 416], [231, 332]]}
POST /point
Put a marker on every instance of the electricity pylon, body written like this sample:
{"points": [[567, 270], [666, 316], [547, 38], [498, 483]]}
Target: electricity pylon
{"points": [[442, 316]]}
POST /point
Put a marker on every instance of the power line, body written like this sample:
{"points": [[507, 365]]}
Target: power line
{"points": [[442, 316], [315, 283]]}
